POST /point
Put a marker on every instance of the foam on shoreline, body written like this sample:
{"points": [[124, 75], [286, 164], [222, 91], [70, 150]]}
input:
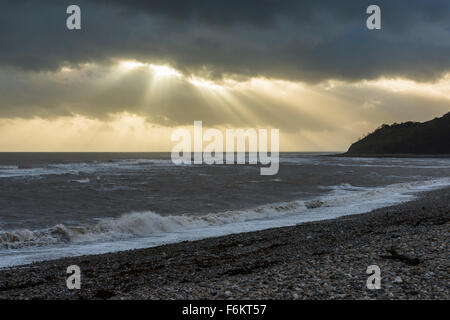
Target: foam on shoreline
{"points": [[146, 229]]}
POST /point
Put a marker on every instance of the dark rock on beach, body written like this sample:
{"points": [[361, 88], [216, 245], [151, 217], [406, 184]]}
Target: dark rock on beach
{"points": [[317, 260]]}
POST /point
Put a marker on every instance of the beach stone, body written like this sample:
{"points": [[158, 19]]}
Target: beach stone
{"points": [[398, 280]]}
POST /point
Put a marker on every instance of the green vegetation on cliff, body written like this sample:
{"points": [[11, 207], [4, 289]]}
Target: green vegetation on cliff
{"points": [[420, 138]]}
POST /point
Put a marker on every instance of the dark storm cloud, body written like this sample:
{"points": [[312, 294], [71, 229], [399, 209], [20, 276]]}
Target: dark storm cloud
{"points": [[302, 40]]}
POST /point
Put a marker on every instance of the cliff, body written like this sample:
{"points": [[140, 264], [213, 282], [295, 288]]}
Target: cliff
{"points": [[419, 138]]}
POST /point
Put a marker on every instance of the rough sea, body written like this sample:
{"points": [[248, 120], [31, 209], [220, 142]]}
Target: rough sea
{"points": [[54, 205]]}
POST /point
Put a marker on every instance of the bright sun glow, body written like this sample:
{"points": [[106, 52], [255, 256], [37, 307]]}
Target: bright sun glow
{"points": [[198, 82], [165, 71], [129, 65]]}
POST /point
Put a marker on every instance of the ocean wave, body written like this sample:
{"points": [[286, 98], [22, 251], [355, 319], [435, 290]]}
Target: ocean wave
{"points": [[148, 223], [85, 180], [139, 224], [24, 237], [76, 168]]}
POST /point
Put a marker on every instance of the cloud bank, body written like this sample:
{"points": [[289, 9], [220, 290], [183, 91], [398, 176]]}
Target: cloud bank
{"points": [[293, 40]]}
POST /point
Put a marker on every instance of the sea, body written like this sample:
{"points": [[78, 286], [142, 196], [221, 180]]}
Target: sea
{"points": [[55, 205]]}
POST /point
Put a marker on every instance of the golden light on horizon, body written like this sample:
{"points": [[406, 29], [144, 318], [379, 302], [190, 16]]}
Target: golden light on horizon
{"points": [[440, 88], [125, 105]]}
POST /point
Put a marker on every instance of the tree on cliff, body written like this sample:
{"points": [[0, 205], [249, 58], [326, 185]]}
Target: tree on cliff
{"points": [[430, 137]]}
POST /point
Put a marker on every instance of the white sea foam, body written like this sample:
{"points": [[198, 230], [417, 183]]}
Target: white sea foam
{"points": [[11, 171], [80, 167], [145, 229], [85, 180], [141, 224]]}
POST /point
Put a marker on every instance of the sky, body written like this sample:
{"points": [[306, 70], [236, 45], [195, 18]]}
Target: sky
{"points": [[137, 70]]}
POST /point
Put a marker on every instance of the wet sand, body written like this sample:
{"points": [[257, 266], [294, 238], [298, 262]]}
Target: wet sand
{"points": [[317, 260]]}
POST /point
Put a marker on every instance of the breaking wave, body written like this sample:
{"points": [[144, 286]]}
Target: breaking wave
{"points": [[142, 224], [37, 170]]}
